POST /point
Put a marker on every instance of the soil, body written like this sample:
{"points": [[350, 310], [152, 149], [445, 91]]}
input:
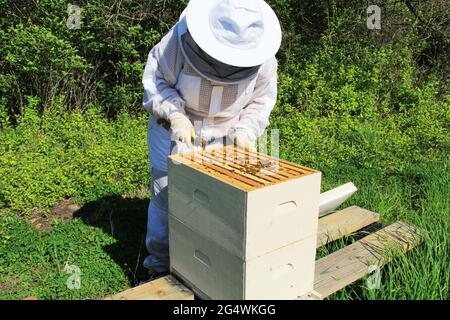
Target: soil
{"points": [[63, 211], [9, 283]]}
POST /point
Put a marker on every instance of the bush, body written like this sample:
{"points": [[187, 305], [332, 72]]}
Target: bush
{"points": [[37, 62], [102, 62], [70, 154], [368, 109]]}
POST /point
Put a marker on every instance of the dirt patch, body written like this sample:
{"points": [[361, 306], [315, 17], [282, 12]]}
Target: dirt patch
{"points": [[63, 212], [65, 209], [9, 284]]}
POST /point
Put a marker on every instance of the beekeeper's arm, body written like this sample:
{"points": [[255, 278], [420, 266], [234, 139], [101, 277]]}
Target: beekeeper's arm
{"points": [[254, 118], [160, 96]]}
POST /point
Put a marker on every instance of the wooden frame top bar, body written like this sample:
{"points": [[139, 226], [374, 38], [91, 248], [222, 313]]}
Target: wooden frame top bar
{"points": [[245, 170]]}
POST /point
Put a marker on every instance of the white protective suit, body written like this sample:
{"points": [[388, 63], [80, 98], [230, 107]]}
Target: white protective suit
{"points": [[172, 84]]}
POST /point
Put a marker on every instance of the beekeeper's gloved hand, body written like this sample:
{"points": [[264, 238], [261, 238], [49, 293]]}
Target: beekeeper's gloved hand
{"points": [[242, 140], [182, 128]]}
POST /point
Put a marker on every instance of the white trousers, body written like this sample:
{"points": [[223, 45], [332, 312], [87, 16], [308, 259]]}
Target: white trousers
{"points": [[160, 147]]}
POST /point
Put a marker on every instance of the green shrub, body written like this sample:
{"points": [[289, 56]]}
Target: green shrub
{"points": [[70, 154], [35, 61], [102, 62], [345, 113]]}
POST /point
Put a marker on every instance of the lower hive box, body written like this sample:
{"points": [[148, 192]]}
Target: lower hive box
{"points": [[215, 273], [240, 219]]}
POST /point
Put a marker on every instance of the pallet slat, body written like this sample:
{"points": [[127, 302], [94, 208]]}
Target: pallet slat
{"points": [[166, 288], [343, 223], [351, 263]]}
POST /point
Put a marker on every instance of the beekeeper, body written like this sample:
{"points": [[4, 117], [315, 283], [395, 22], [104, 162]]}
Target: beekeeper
{"points": [[213, 75]]}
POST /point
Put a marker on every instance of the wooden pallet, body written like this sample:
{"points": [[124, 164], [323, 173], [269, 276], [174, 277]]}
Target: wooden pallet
{"points": [[332, 272]]}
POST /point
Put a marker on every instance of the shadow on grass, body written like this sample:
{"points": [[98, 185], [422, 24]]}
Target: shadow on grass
{"points": [[125, 219]]}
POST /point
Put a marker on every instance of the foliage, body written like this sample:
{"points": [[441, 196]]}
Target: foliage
{"points": [[70, 154], [102, 62], [352, 113]]}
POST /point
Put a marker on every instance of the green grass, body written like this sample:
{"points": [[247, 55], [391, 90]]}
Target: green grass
{"points": [[99, 163], [424, 272], [32, 262]]}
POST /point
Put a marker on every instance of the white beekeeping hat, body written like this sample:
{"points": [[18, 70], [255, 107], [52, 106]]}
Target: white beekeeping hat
{"points": [[241, 33]]}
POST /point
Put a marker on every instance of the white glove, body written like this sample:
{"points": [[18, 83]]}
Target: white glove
{"points": [[182, 128], [242, 141]]}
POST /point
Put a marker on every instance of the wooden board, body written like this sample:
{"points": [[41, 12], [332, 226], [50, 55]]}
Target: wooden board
{"points": [[351, 263], [331, 228], [344, 222], [166, 288]]}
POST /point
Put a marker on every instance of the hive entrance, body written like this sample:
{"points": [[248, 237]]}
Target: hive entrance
{"points": [[243, 169]]}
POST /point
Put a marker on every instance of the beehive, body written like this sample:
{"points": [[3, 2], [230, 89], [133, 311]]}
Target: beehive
{"points": [[242, 224]]}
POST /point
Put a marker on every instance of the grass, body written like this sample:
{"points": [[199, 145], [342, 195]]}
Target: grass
{"points": [[34, 263], [105, 240], [424, 272], [105, 237]]}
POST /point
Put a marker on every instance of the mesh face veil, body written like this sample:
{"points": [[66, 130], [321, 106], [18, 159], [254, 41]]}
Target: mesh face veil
{"points": [[210, 67]]}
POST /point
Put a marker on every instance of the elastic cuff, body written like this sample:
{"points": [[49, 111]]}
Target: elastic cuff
{"points": [[171, 108]]}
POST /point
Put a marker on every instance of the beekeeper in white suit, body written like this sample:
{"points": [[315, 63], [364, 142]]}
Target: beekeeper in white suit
{"points": [[213, 75]]}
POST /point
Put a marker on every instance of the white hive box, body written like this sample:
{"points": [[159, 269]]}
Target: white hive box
{"points": [[215, 273], [243, 225]]}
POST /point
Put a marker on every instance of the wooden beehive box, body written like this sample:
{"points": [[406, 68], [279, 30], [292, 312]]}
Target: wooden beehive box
{"points": [[242, 225]]}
